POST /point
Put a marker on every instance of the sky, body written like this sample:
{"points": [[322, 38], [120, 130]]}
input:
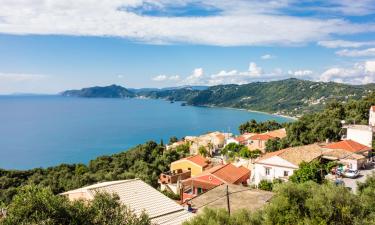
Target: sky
{"points": [[48, 46]]}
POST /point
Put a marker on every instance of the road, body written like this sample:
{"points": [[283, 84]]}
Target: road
{"points": [[352, 183]]}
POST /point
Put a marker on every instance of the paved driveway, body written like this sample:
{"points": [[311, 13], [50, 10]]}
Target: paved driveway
{"points": [[352, 183]]}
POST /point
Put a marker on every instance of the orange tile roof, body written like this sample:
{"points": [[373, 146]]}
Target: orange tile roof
{"points": [[262, 137], [372, 108], [198, 159], [240, 139], [229, 173], [348, 145]]}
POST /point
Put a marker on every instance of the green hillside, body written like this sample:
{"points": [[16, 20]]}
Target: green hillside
{"points": [[292, 97]]}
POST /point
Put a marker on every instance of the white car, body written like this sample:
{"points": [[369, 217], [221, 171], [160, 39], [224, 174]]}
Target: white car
{"points": [[351, 173]]}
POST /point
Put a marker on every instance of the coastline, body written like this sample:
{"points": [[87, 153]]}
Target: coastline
{"points": [[249, 110]]}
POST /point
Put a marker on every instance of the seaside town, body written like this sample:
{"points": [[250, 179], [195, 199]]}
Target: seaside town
{"points": [[212, 176]]}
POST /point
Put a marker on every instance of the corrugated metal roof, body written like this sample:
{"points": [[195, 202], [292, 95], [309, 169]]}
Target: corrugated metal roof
{"points": [[140, 197]]}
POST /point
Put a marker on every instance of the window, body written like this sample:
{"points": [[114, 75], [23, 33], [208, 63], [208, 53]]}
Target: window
{"points": [[268, 171], [189, 168], [286, 173]]}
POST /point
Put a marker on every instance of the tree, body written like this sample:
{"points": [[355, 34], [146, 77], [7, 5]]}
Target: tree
{"points": [[203, 151], [265, 185], [173, 139], [253, 126], [312, 171], [35, 205], [273, 145], [255, 154]]}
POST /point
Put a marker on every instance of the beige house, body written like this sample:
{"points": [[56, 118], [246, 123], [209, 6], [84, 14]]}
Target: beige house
{"points": [[138, 196], [211, 141], [258, 141]]}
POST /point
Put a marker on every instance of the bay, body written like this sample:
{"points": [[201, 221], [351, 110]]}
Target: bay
{"points": [[42, 131]]}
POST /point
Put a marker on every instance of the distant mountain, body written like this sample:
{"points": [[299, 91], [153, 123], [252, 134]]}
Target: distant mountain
{"points": [[292, 97], [113, 91]]}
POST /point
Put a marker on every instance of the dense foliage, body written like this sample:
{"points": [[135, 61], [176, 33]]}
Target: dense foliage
{"points": [[35, 205], [304, 203], [145, 161], [253, 126], [319, 127], [311, 171], [276, 144], [113, 91]]}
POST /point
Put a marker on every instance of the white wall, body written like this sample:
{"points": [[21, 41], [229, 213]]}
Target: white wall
{"points": [[277, 167], [371, 120], [359, 135]]}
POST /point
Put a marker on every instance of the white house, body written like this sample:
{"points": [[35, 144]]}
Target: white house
{"points": [[371, 120], [359, 133], [281, 164]]}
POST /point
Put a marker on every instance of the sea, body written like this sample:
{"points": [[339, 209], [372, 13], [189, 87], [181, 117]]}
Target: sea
{"points": [[43, 131]]}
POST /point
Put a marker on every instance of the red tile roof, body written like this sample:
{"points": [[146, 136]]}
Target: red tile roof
{"points": [[348, 145], [199, 160], [230, 173], [261, 137], [373, 108]]}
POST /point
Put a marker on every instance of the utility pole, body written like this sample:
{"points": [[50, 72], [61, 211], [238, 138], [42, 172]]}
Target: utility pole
{"points": [[228, 204]]}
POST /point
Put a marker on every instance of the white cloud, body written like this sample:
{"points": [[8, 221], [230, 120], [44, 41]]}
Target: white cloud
{"points": [[370, 66], [174, 77], [356, 53], [254, 70], [160, 78], [345, 44], [239, 22], [300, 73], [267, 56], [196, 78], [360, 73], [120, 76]]}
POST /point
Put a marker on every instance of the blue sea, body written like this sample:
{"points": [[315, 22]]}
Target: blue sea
{"points": [[42, 131]]}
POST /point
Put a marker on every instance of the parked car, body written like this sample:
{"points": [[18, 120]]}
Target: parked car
{"points": [[351, 173]]}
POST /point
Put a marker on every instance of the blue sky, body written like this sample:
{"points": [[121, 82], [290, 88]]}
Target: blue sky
{"points": [[48, 46]]}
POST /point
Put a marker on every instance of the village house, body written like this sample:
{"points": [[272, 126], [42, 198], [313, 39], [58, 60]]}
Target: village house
{"points": [[258, 141], [171, 180], [361, 133], [371, 120], [211, 141], [352, 154], [242, 139], [139, 197], [281, 164], [218, 175], [196, 164]]}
